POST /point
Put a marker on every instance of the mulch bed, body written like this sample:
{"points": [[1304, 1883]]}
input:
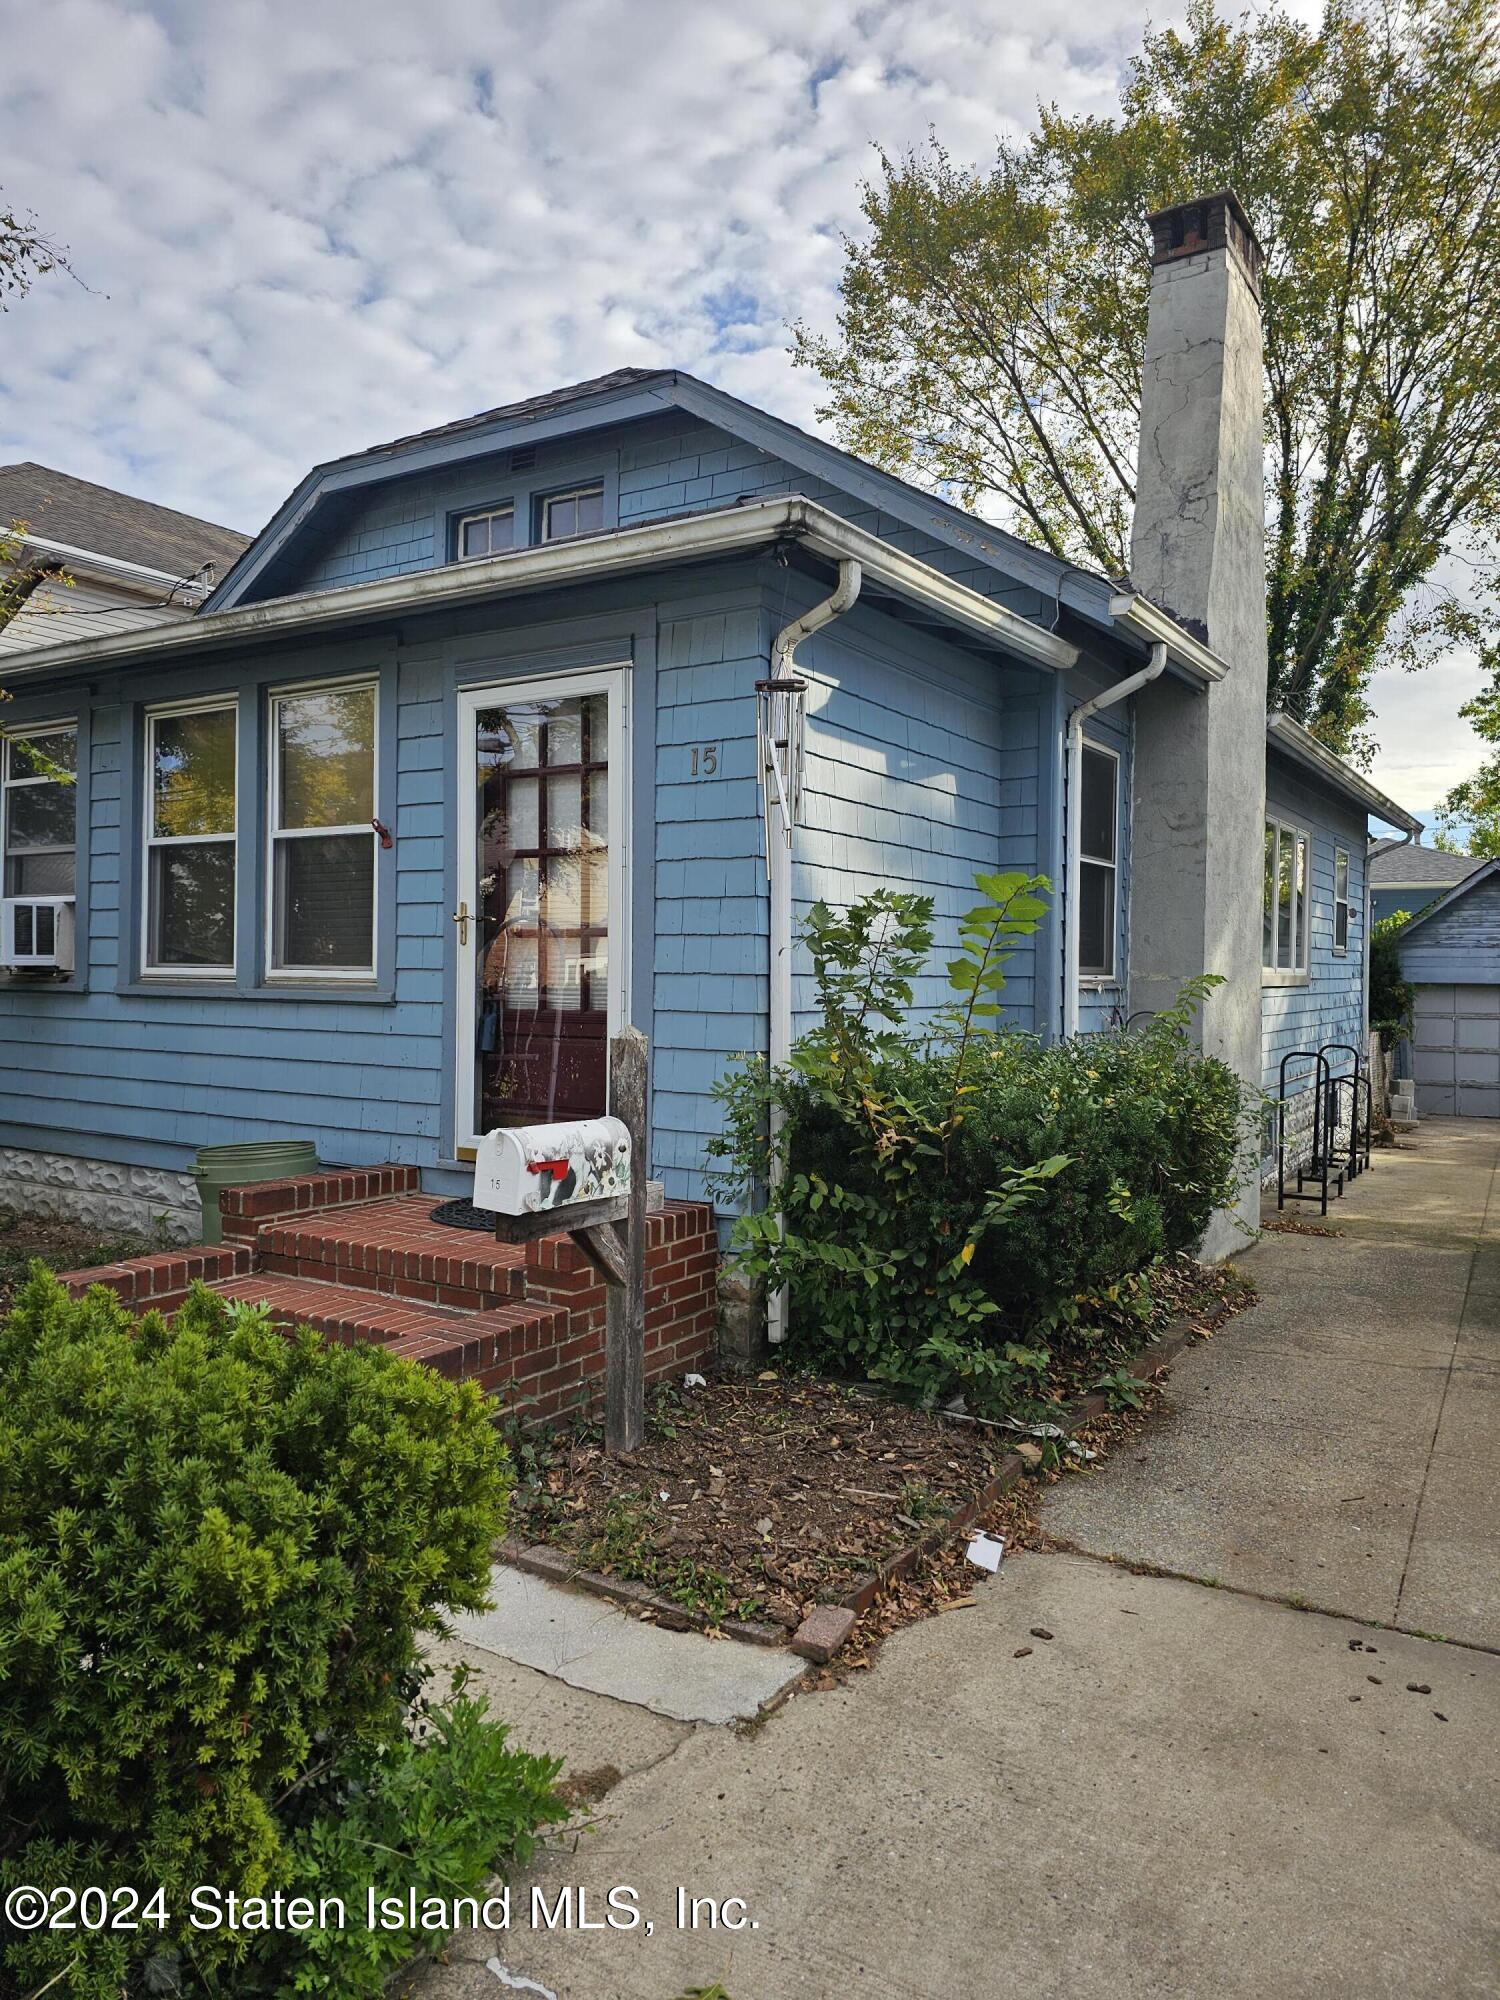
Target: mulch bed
{"points": [[755, 1500], [61, 1245]]}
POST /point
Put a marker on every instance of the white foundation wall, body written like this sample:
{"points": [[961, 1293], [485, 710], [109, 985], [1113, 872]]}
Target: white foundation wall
{"points": [[102, 1193]]}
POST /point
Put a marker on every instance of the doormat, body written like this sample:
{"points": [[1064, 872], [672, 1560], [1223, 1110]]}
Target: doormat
{"points": [[462, 1214]]}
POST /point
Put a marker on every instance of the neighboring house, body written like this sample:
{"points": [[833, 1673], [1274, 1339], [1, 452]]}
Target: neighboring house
{"points": [[129, 562], [1451, 954], [1404, 875], [475, 755]]}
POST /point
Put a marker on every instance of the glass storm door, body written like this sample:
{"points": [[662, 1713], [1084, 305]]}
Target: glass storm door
{"points": [[541, 899]]}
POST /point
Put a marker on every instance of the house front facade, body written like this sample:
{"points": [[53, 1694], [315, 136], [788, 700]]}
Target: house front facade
{"points": [[471, 759]]}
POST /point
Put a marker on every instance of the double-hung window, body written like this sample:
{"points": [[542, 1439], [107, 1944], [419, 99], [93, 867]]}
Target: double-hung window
{"points": [[41, 811], [1098, 863], [486, 534], [322, 832], [1284, 900], [1340, 900], [579, 512], [191, 792]]}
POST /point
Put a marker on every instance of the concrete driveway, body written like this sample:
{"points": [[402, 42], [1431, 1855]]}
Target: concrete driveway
{"points": [[1196, 1786]]}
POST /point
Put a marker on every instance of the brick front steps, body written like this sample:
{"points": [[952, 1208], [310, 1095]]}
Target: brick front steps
{"points": [[357, 1256]]}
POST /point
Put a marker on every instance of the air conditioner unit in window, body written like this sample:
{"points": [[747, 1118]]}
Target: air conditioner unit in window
{"points": [[36, 934]]}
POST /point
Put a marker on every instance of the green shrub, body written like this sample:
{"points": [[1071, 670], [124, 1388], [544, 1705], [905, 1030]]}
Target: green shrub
{"points": [[1391, 996], [955, 1200], [219, 1549]]}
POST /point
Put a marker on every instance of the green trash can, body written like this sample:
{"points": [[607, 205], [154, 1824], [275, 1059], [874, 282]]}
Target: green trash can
{"points": [[219, 1167]]}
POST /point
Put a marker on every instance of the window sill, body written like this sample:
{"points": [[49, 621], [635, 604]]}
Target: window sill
{"points": [[368, 995], [1270, 978], [1099, 982], [40, 982]]}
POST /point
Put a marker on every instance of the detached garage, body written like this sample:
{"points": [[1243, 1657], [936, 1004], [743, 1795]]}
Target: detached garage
{"points": [[1451, 954]]}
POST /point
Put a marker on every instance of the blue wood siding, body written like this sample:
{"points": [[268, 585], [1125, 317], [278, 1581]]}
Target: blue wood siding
{"points": [[1329, 1005], [1461, 946], [1386, 902], [922, 771], [652, 470]]}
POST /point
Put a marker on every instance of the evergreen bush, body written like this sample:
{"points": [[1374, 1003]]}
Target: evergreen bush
{"points": [[219, 1550]]}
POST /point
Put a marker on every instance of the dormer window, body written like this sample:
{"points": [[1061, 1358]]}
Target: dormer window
{"points": [[487, 534], [579, 512]]}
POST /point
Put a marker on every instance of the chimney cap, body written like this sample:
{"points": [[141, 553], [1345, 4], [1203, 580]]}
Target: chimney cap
{"points": [[1208, 222]]}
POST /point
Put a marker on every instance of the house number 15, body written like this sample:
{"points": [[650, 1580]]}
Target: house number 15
{"points": [[705, 760]]}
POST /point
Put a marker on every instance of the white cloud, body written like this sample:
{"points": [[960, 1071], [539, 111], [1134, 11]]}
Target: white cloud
{"points": [[312, 224]]}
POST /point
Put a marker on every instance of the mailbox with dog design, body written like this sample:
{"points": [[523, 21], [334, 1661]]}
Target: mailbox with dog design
{"points": [[537, 1169]]}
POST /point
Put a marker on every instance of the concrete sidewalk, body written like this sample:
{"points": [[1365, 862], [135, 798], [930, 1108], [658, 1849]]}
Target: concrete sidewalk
{"points": [[1189, 1789]]}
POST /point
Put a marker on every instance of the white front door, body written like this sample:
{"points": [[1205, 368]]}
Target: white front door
{"points": [[543, 800]]}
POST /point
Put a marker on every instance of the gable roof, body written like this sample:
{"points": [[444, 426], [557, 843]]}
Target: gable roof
{"points": [[627, 394], [76, 514], [1397, 864], [1296, 741], [1485, 871]]}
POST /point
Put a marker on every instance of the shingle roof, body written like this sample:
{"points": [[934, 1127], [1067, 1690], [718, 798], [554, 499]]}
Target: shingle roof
{"points": [[529, 406], [1396, 865], [59, 508]]}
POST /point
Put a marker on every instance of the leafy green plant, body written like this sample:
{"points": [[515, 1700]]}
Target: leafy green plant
{"points": [[947, 1204], [219, 1550], [1392, 997], [1122, 1390]]}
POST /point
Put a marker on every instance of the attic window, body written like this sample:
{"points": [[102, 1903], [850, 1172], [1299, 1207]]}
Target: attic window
{"points": [[485, 534], [580, 512]]}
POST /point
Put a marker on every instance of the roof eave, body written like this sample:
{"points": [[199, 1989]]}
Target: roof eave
{"points": [[1147, 621], [621, 552], [1304, 748]]}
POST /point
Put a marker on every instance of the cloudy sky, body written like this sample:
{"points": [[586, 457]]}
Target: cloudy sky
{"points": [[308, 225]]}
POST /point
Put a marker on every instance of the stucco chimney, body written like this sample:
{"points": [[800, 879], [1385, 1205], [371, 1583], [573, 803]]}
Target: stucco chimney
{"points": [[1198, 550]]}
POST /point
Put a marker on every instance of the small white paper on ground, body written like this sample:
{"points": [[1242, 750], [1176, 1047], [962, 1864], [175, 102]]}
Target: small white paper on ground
{"points": [[985, 1551]]}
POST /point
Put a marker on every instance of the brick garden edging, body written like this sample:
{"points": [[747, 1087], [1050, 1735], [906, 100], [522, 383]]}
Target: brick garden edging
{"points": [[539, 1559]]}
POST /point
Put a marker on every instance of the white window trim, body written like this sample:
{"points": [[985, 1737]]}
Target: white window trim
{"points": [[483, 514], [1343, 903], [1097, 981], [1284, 975], [546, 501], [614, 680], [8, 784], [213, 975], [319, 975]]}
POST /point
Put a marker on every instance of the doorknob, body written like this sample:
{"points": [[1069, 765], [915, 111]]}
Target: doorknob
{"points": [[461, 918]]}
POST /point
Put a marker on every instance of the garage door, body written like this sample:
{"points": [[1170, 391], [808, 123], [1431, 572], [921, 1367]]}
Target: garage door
{"points": [[1456, 1051]]}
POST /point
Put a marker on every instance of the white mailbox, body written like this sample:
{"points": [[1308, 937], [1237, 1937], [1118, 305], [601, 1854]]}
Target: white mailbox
{"points": [[531, 1168]]}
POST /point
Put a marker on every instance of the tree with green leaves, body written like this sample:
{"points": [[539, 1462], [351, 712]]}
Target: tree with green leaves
{"points": [[27, 253], [993, 320], [1470, 813]]}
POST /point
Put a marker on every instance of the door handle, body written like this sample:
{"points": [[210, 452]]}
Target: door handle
{"points": [[461, 918]]}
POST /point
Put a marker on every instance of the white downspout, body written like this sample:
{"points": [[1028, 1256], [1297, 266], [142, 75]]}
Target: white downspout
{"points": [[1411, 834], [1079, 716], [779, 857]]}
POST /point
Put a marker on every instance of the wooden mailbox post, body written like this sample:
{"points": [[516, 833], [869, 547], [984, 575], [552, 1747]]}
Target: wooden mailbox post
{"points": [[611, 1233]]}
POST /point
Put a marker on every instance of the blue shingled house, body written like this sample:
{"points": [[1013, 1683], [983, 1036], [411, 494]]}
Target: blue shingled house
{"points": [[501, 735]]}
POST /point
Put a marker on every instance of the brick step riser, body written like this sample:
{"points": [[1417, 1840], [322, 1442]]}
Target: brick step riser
{"points": [[397, 1283]]}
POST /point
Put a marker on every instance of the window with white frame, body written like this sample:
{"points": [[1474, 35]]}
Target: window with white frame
{"points": [[580, 512], [322, 833], [1284, 901], [1340, 900], [1098, 863], [486, 534], [41, 811], [192, 781]]}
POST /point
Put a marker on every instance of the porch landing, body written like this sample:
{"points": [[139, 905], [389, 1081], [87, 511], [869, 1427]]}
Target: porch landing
{"points": [[357, 1256]]}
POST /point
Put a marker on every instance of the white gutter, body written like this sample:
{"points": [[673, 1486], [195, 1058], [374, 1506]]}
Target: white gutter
{"points": [[1145, 620], [726, 531], [1300, 744], [780, 856], [1079, 716], [114, 567]]}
